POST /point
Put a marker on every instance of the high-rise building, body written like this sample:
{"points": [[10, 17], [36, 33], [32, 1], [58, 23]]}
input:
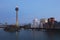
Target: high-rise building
{"points": [[35, 23], [42, 22]]}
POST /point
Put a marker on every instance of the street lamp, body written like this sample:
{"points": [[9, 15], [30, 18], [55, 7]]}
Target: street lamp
{"points": [[16, 9]]}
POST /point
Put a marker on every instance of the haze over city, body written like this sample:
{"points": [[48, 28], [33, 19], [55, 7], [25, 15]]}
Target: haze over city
{"points": [[28, 10]]}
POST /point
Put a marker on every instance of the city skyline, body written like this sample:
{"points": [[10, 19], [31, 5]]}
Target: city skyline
{"points": [[28, 10]]}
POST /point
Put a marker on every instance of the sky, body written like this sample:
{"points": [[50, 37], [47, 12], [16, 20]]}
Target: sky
{"points": [[28, 10]]}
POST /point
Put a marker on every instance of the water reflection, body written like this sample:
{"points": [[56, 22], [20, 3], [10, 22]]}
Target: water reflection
{"points": [[53, 35], [17, 35], [50, 35], [29, 35], [33, 33]]}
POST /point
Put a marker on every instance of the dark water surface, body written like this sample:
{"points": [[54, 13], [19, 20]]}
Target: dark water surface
{"points": [[29, 35]]}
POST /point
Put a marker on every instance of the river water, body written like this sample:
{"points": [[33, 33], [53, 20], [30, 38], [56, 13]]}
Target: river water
{"points": [[29, 35]]}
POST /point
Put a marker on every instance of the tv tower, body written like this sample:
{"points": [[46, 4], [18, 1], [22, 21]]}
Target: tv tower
{"points": [[16, 9]]}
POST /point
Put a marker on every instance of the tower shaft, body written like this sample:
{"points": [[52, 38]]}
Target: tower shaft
{"points": [[17, 18]]}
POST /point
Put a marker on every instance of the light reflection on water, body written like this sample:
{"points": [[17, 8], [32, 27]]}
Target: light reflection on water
{"points": [[29, 35]]}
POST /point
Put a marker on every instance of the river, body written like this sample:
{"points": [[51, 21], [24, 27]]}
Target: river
{"points": [[29, 35]]}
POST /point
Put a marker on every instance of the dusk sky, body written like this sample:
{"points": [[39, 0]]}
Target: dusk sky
{"points": [[28, 10]]}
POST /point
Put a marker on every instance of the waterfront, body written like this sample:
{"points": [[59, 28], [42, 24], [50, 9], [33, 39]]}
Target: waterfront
{"points": [[29, 35]]}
